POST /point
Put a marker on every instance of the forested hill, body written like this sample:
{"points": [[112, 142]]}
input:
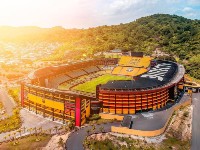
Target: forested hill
{"points": [[174, 34]]}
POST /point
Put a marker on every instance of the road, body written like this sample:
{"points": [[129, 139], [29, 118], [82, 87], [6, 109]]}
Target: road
{"points": [[150, 121], [196, 122], [75, 140], [8, 102]]}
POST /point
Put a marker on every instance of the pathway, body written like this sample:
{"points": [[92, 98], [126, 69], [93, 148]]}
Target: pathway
{"points": [[75, 140], [7, 101], [196, 122]]}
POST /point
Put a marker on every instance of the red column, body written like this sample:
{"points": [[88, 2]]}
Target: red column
{"points": [[78, 112], [22, 94]]}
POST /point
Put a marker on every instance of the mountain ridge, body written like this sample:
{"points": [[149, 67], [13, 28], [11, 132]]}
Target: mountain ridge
{"points": [[173, 34]]}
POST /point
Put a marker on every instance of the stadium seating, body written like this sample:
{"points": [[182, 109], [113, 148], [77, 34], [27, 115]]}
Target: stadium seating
{"points": [[55, 81], [91, 69], [141, 71], [135, 61], [132, 66], [117, 70], [124, 60], [144, 62], [129, 71], [76, 73]]}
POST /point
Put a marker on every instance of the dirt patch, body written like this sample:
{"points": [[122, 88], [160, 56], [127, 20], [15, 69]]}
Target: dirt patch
{"points": [[53, 144], [180, 126]]}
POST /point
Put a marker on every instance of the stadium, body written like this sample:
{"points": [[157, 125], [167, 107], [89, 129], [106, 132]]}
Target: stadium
{"points": [[131, 84]]}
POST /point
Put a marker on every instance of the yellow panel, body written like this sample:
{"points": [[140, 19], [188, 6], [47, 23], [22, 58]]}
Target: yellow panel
{"points": [[180, 86], [46, 102], [83, 121], [111, 116], [88, 110], [132, 111], [105, 109], [116, 70], [118, 111], [125, 111], [112, 111]]}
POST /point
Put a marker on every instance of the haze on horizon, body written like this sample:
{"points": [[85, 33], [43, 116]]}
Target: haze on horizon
{"points": [[87, 13]]}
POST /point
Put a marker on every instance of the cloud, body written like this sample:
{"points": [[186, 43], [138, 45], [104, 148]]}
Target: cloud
{"points": [[187, 9], [193, 1], [189, 12], [89, 13], [117, 11]]}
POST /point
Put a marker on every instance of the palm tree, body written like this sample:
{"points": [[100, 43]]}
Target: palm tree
{"points": [[61, 142], [93, 127], [40, 130], [44, 131], [35, 129], [56, 129], [71, 124], [20, 132], [29, 130], [50, 130], [9, 136], [101, 129], [88, 131], [66, 128], [86, 143], [14, 133], [36, 134], [60, 128], [24, 128], [5, 137]]}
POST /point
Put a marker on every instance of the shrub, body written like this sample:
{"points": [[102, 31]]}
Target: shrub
{"points": [[94, 117], [186, 114]]}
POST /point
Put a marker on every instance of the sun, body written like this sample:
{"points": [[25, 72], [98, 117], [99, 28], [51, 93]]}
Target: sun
{"points": [[39, 12]]}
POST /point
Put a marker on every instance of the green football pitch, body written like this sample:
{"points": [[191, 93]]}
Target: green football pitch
{"points": [[90, 86]]}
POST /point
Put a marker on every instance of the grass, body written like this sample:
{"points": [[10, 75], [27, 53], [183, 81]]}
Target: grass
{"points": [[101, 145], [99, 121], [90, 86], [14, 92], [110, 144], [96, 119], [174, 143], [11, 123], [28, 143]]}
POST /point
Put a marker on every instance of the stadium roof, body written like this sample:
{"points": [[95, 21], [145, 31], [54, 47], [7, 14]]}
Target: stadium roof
{"points": [[157, 76]]}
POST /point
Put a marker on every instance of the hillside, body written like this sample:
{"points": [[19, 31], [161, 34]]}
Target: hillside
{"points": [[173, 34]]}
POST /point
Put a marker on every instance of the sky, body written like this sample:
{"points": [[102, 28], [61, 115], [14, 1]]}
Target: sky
{"points": [[89, 13]]}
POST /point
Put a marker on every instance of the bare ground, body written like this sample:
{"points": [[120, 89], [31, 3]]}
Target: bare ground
{"points": [[53, 143], [179, 128], [181, 124]]}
